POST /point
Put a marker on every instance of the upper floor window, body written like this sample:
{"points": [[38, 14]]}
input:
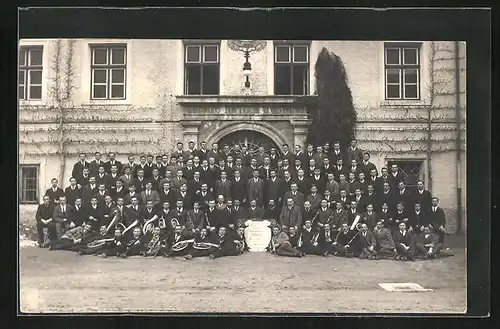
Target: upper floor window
{"points": [[30, 73], [28, 185], [108, 71], [291, 69], [402, 71], [202, 68]]}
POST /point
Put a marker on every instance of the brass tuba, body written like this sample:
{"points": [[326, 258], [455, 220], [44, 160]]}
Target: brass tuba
{"points": [[175, 222]]}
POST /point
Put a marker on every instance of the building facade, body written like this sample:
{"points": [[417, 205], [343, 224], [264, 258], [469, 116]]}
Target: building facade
{"points": [[137, 97]]}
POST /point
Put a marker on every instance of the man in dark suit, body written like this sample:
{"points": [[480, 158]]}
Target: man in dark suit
{"points": [[95, 213], [45, 224], [273, 157], [128, 178], [384, 178], [361, 182], [78, 167], [303, 183], [438, 219], [366, 166], [140, 181], [372, 197], [340, 169], [202, 152], [88, 191], [133, 214], [287, 154], [319, 180], [204, 197], [417, 219], [150, 195], [404, 196], [367, 243], [336, 154], [223, 186], [196, 217], [130, 164], [95, 164], [254, 211], [83, 179], [314, 198], [423, 197], [272, 213], [395, 177], [255, 188], [339, 217], [191, 152], [274, 189], [72, 191], [333, 186], [179, 151], [185, 197], [112, 162], [79, 212], [360, 199], [327, 167], [63, 216], [102, 177], [113, 176], [101, 194], [354, 153], [300, 154], [127, 199], [265, 169], [405, 243], [215, 153], [297, 196], [54, 192], [369, 217], [291, 215], [388, 197], [141, 165]]}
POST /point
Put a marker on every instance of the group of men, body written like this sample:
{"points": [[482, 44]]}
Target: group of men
{"points": [[194, 202]]}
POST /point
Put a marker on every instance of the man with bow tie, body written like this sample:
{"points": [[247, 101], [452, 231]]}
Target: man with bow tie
{"points": [[112, 162], [78, 167], [54, 192]]}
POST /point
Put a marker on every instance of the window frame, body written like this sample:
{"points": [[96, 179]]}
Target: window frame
{"points": [[22, 199], [403, 67], [292, 64], [202, 64], [109, 66], [421, 169], [27, 68]]}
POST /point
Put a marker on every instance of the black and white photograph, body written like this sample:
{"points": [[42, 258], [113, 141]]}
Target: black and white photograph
{"points": [[223, 175]]}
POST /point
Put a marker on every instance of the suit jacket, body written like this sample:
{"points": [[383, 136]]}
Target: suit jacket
{"points": [[389, 199], [291, 217], [406, 198], [380, 184], [194, 187], [320, 183], [265, 172], [255, 213], [107, 166], [416, 220], [367, 240], [356, 154], [424, 198], [361, 186], [198, 219], [154, 196], [44, 212], [339, 218], [437, 218], [188, 173], [127, 199], [88, 193], [94, 167], [298, 198], [133, 168], [177, 182], [208, 176], [108, 212], [78, 169], [346, 186], [314, 200], [361, 202], [346, 204], [97, 213], [100, 197], [202, 154], [324, 216], [204, 199], [384, 238], [304, 185], [369, 219], [82, 180], [394, 180], [406, 239], [334, 157], [140, 185], [255, 190], [274, 190], [72, 194], [132, 214], [223, 188], [170, 195], [155, 182], [373, 200], [333, 187], [218, 217], [366, 168], [216, 155], [54, 195], [115, 194], [272, 214], [148, 170], [430, 239], [127, 181], [187, 201]]}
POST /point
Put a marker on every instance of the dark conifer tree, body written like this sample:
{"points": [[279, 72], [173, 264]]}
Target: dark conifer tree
{"points": [[333, 116]]}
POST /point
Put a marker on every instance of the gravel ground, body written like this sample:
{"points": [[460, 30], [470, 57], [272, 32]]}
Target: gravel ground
{"points": [[61, 281]]}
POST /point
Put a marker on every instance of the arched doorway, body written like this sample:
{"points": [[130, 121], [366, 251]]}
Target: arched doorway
{"points": [[251, 139]]}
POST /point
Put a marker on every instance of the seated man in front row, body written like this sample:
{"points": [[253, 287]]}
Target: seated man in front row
{"points": [[345, 242], [280, 244], [71, 238], [204, 244], [227, 245], [427, 243]]}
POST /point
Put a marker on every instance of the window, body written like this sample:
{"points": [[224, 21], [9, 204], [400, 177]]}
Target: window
{"points": [[201, 69], [28, 187], [291, 69], [402, 71], [108, 71], [411, 170], [30, 73]]}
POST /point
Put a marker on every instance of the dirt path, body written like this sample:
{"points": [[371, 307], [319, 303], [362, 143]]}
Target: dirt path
{"points": [[59, 281]]}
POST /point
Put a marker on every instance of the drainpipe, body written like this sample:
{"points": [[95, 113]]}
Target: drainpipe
{"points": [[458, 140]]}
